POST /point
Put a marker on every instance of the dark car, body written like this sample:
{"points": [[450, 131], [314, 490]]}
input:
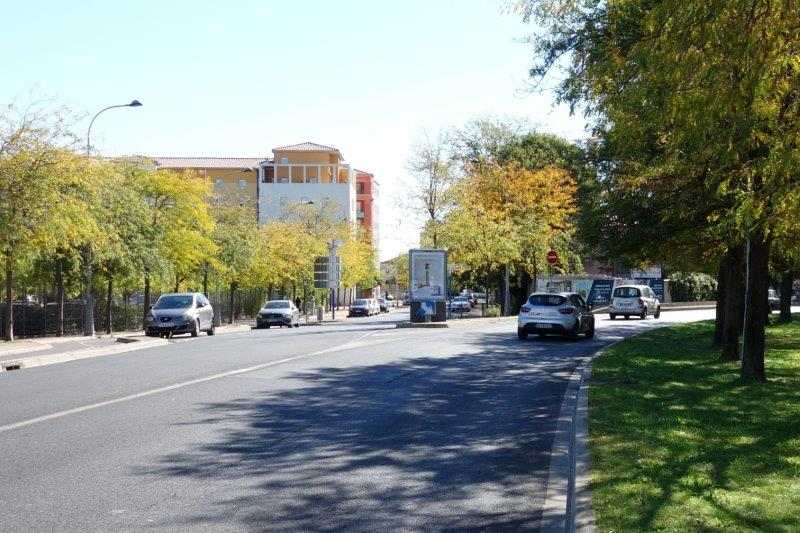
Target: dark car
{"points": [[180, 312], [774, 300]]}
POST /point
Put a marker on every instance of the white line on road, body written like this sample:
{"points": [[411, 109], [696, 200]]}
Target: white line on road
{"points": [[60, 414]]}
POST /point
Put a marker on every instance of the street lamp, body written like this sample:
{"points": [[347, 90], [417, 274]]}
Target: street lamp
{"points": [[134, 103], [88, 312]]}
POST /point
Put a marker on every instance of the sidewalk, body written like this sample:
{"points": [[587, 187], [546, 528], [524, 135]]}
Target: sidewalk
{"points": [[28, 353]]}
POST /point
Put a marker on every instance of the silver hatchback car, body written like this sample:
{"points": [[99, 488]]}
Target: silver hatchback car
{"points": [[180, 312], [565, 313], [634, 300]]}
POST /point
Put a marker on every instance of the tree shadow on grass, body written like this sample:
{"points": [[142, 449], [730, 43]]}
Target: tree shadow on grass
{"points": [[686, 445], [432, 442]]}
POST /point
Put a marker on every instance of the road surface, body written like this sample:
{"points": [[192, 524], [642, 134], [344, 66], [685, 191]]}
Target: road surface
{"points": [[357, 426]]}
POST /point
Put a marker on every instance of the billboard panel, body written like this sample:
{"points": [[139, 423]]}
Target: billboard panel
{"points": [[427, 275]]}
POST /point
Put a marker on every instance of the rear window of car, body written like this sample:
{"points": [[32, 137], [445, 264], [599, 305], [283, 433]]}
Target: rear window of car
{"points": [[626, 292], [546, 300], [360, 302]]}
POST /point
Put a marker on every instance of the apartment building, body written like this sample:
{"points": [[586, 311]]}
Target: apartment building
{"points": [[305, 173]]}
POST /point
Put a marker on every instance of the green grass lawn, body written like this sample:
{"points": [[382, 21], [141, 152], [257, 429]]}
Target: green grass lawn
{"points": [[678, 443]]}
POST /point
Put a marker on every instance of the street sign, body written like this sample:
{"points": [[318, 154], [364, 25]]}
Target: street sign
{"points": [[334, 272], [321, 272], [552, 257]]}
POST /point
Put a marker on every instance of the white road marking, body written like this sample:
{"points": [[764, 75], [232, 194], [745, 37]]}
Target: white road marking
{"points": [[60, 414]]}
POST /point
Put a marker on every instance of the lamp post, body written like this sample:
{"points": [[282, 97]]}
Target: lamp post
{"points": [[88, 311], [134, 103]]}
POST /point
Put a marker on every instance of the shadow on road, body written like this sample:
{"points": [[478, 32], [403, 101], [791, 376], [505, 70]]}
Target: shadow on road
{"points": [[434, 442]]}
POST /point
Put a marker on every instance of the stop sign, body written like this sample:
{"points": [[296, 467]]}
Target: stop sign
{"points": [[552, 257]]}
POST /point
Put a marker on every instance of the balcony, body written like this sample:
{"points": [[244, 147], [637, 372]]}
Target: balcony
{"points": [[305, 173]]}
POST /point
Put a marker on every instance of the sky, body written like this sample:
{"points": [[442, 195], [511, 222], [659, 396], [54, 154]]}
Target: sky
{"points": [[238, 78]]}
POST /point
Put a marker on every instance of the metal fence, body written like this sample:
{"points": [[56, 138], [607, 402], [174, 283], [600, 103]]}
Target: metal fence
{"points": [[41, 320]]}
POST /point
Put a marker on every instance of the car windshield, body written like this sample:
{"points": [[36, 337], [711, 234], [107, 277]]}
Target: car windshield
{"points": [[461, 299], [546, 300], [176, 301], [626, 292], [360, 302], [277, 304]]}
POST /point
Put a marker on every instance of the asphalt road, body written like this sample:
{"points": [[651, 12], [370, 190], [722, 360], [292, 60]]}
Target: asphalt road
{"points": [[358, 426]]}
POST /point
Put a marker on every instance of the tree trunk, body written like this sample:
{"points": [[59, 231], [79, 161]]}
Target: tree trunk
{"points": [[722, 287], [177, 283], [146, 295], [60, 298], [205, 281], [109, 297], [232, 296], [506, 291], [756, 307], [787, 281], [8, 334], [734, 303], [88, 300]]}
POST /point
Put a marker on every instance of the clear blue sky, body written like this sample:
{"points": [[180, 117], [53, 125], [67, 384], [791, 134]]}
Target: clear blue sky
{"points": [[240, 77]]}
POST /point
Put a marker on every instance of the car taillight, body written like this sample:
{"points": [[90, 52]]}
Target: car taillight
{"points": [[526, 309], [566, 310]]}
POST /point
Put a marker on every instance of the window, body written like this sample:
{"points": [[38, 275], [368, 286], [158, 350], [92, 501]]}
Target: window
{"points": [[546, 300], [360, 187], [269, 174], [626, 292], [242, 184], [218, 183], [285, 160]]}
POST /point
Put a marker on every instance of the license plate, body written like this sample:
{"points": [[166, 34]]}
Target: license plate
{"points": [[544, 326]]}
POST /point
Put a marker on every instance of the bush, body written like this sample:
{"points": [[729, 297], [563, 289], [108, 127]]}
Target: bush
{"points": [[692, 287], [493, 311]]}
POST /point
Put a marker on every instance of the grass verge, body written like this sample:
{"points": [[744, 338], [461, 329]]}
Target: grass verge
{"points": [[678, 443]]}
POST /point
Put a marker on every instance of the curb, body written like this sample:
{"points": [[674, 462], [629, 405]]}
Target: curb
{"points": [[567, 502], [85, 353]]}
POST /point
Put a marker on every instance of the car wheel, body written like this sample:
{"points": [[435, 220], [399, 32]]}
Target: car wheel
{"points": [[522, 334], [657, 314], [573, 333], [267, 326], [211, 331], [627, 317], [612, 316], [590, 332], [196, 329], [643, 316]]}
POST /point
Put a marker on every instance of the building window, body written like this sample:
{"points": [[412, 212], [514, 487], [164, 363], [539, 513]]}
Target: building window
{"points": [[269, 174], [218, 183], [242, 184], [360, 187]]}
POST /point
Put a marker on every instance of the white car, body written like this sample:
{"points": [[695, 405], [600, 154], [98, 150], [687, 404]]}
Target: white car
{"points": [[363, 307], [460, 304], [565, 313], [634, 300], [278, 313]]}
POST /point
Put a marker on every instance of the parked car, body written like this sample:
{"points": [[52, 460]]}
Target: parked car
{"points": [[460, 304], [565, 313], [774, 300], [180, 312], [278, 313], [480, 298], [383, 305], [634, 300], [362, 307]]}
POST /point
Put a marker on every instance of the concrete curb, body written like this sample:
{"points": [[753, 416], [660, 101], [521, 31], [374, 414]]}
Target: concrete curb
{"points": [[568, 499]]}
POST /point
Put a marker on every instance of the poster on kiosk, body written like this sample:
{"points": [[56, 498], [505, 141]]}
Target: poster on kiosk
{"points": [[428, 285]]}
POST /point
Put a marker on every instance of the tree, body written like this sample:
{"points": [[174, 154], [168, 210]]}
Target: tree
{"points": [[699, 96], [32, 150], [235, 236], [432, 169]]}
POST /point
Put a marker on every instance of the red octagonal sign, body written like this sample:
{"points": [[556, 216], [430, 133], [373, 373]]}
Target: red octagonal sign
{"points": [[552, 257]]}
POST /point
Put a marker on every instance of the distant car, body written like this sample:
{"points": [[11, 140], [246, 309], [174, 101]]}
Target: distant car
{"points": [[634, 300], [362, 307], [774, 300], [278, 313], [383, 305], [479, 297], [564, 313], [460, 304], [180, 312]]}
